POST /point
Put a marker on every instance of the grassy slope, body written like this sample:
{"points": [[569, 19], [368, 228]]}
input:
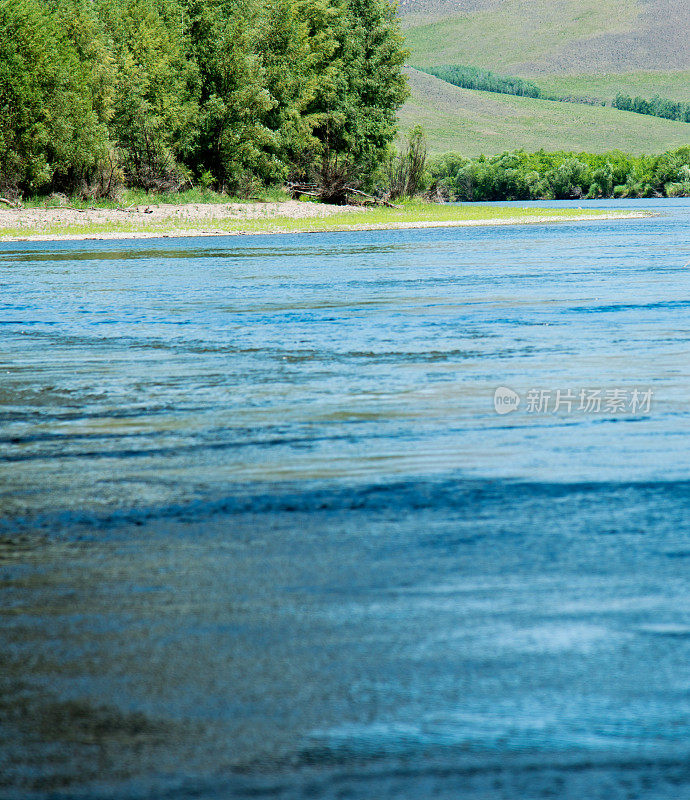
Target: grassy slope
{"points": [[518, 34], [550, 37], [471, 123], [580, 47], [674, 85]]}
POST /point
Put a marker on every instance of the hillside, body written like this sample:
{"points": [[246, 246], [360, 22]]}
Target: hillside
{"points": [[472, 122], [542, 37], [672, 84], [574, 47]]}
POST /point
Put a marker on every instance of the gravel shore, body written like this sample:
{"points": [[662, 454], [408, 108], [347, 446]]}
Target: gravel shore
{"points": [[214, 219]]}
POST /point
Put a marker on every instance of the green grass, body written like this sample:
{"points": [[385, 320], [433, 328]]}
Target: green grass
{"points": [[411, 213], [673, 85], [517, 32], [471, 122], [139, 197], [583, 48]]}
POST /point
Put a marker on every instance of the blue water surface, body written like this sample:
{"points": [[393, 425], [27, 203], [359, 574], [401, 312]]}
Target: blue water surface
{"points": [[264, 533]]}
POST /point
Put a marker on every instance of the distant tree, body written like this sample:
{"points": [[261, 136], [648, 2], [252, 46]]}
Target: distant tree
{"points": [[558, 175], [656, 107], [481, 79]]}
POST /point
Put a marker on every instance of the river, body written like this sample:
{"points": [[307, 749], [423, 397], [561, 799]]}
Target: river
{"points": [[386, 514]]}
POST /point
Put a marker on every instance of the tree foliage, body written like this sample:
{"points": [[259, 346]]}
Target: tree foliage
{"points": [[407, 170], [656, 107], [50, 132], [467, 77], [163, 91], [559, 175], [472, 78], [153, 110]]}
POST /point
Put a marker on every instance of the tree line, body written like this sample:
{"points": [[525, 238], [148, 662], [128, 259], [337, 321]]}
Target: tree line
{"points": [[467, 77], [656, 107], [484, 80], [228, 94], [544, 175]]}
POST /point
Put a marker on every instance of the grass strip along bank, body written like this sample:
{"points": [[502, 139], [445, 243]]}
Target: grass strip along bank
{"points": [[260, 218]]}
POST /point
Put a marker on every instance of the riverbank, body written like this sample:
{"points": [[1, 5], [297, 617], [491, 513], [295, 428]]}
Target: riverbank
{"points": [[213, 219]]}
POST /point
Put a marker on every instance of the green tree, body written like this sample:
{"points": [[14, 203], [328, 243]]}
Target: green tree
{"points": [[290, 56], [50, 132], [234, 141], [239, 91], [154, 115], [357, 109]]}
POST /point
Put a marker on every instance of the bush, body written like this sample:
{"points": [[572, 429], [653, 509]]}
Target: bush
{"points": [[678, 189], [518, 175], [407, 171]]}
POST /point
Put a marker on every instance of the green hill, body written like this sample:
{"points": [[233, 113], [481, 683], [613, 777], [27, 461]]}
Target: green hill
{"points": [[546, 37], [675, 85], [584, 48], [473, 122]]}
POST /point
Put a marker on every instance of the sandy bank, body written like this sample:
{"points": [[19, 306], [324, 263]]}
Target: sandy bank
{"points": [[193, 213], [235, 219]]}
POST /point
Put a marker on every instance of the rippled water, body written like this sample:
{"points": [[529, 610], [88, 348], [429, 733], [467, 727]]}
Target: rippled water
{"points": [[263, 532]]}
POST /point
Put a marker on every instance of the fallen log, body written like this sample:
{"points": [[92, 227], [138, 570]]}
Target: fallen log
{"points": [[376, 200], [298, 189], [325, 194]]}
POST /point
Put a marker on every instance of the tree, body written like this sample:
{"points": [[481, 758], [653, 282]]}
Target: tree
{"points": [[290, 56], [50, 133], [154, 114], [358, 109], [234, 141], [239, 91]]}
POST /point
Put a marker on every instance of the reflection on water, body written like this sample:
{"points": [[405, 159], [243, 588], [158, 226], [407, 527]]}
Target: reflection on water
{"points": [[263, 533]]}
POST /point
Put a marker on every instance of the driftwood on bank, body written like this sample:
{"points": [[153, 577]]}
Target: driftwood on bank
{"points": [[302, 189], [328, 195], [376, 200]]}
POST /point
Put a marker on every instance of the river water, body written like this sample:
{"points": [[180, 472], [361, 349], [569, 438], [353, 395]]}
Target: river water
{"points": [[263, 532]]}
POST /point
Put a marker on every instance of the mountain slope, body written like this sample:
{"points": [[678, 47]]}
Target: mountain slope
{"points": [[544, 37], [675, 85], [472, 122]]}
